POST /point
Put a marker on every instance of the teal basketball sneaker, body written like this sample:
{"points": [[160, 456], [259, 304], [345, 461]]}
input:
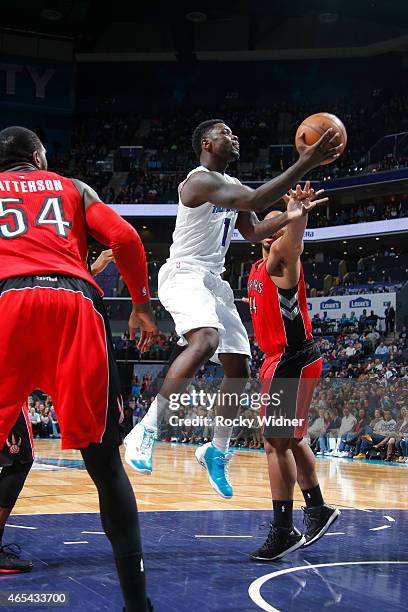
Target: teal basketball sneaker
{"points": [[216, 463]]}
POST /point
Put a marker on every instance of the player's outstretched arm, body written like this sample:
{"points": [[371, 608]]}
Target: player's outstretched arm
{"points": [[254, 230], [211, 186], [285, 252]]}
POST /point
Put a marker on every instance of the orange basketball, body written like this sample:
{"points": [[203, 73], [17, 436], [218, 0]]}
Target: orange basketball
{"points": [[314, 127]]}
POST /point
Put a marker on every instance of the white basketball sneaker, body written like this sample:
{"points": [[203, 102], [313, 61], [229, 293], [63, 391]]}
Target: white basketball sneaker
{"points": [[139, 444]]}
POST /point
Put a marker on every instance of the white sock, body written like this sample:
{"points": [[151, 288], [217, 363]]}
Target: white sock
{"points": [[155, 412], [222, 437]]}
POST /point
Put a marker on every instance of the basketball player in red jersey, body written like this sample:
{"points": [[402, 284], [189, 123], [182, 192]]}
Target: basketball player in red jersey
{"points": [[47, 292], [292, 367], [16, 460]]}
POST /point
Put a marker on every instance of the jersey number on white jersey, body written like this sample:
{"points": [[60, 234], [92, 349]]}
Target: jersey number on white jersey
{"points": [[227, 223]]}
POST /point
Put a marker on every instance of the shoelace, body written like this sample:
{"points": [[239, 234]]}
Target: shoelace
{"points": [[223, 462], [308, 519], [11, 550], [147, 442], [272, 535], [275, 534]]}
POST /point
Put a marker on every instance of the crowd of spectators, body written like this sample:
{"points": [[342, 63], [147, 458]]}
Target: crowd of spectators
{"points": [[360, 407], [160, 351], [147, 188], [165, 153], [361, 420], [368, 323], [43, 417], [381, 272], [386, 286], [364, 333], [364, 356], [386, 208]]}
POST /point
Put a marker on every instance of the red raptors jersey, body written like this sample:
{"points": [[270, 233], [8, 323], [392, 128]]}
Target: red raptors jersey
{"points": [[279, 316], [42, 226]]}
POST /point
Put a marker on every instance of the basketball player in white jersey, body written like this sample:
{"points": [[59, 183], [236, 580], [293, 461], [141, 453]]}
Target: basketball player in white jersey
{"points": [[211, 205]]}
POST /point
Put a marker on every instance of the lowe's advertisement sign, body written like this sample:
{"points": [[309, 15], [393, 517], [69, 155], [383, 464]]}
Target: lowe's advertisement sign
{"points": [[336, 306]]}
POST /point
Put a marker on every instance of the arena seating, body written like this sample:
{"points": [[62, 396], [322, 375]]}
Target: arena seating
{"points": [[363, 375], [160, 153]]}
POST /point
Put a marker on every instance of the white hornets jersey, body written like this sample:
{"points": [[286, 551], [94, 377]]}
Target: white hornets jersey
{"points": [[203, 234]]}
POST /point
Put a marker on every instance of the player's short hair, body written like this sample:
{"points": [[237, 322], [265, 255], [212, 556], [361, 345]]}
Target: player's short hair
{"points": [[17, 144], [200, 132]]}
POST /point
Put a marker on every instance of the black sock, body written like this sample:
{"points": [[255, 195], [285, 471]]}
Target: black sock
{"points": [[283, 513], [133, 583], [313, 497], [1, 536]]}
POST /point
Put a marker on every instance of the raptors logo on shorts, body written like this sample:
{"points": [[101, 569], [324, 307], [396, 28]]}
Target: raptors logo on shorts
{"points": [[19, 443], [14, 444]]}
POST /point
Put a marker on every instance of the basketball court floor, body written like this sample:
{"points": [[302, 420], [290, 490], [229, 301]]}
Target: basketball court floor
{"points": [[196, 544]]}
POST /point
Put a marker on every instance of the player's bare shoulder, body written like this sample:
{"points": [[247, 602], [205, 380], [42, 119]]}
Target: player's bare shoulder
{"points": [[200, 187]]}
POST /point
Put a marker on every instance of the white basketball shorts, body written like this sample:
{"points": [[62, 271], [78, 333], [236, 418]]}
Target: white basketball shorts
{"points": [[197, 298]]}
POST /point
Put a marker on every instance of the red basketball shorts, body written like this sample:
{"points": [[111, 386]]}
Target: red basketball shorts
{"points": [[289, 380], [55, 337]]}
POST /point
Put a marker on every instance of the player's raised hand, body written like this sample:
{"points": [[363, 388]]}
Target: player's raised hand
{"points": [[143, 317], [104, 259], [324, 149], [301, 201]]}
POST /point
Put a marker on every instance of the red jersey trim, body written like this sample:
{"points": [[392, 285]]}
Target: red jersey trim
{"points": [[280, 317]]}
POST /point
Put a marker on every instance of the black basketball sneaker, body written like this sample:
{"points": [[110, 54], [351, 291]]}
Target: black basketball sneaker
{"points": [[317, 521], [10, 562], [280, 542]]}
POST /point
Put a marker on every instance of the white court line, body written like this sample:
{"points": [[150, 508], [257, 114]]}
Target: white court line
{"points": [[254, 590], [223, 536], [143, 511], [20, 526], [83, 542], [389, 518], [96, 532], [49, 467], [335, 533], [178, 510], [380, 528], [56, 513]]}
